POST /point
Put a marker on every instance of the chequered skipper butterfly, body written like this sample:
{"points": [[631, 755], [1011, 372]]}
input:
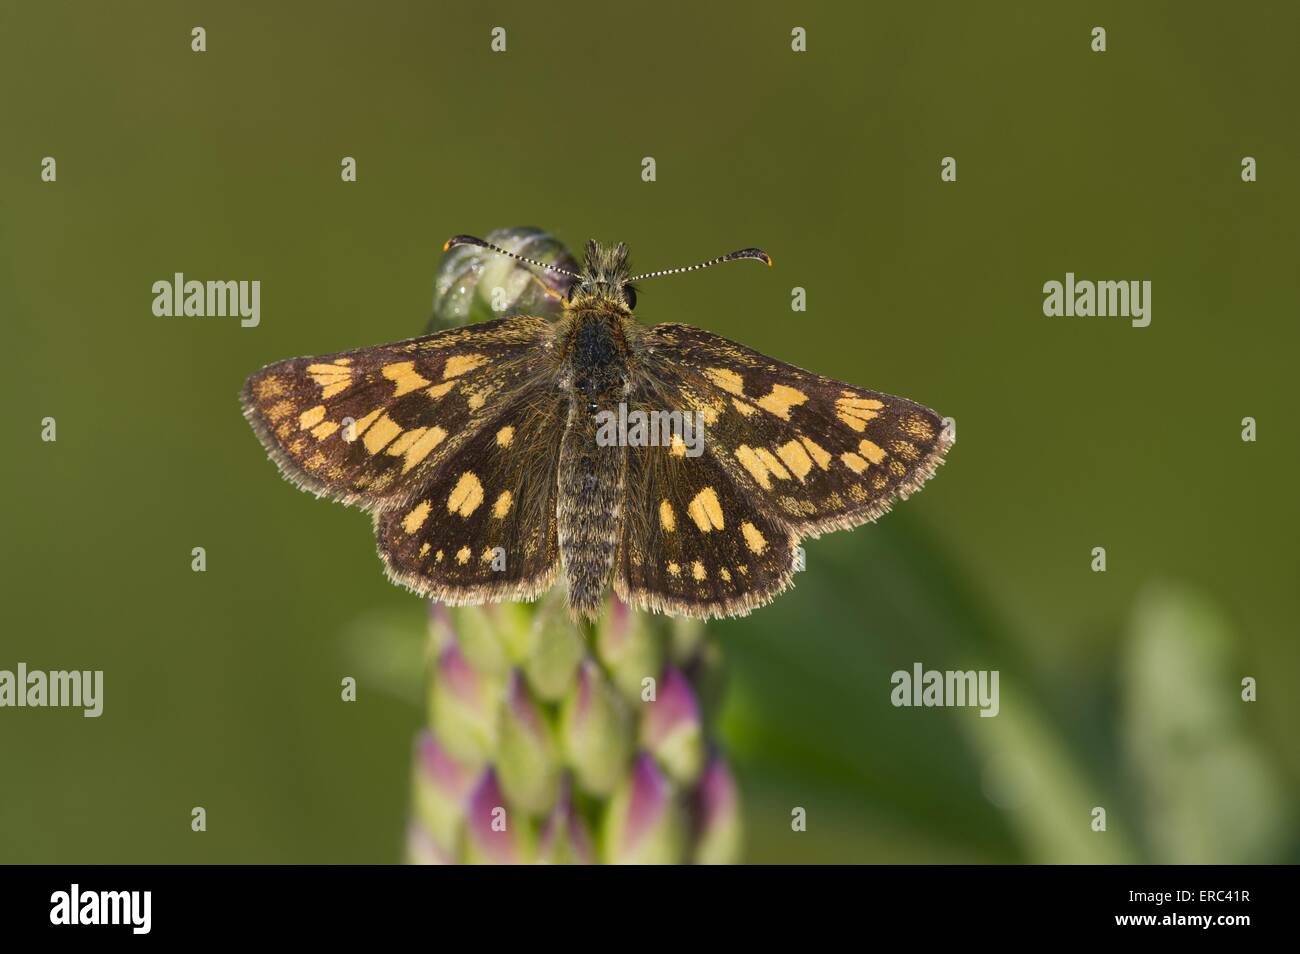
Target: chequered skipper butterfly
{"points": [[481, 441]]}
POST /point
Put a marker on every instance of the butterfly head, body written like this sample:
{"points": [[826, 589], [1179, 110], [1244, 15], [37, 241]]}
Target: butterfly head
{"points": [[605, 278]]}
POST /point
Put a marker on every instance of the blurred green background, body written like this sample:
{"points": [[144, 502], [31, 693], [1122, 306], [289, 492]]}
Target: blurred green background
{"points": [[1119, 689]]}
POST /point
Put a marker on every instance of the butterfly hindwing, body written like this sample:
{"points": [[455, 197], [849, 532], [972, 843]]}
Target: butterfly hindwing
{"points": [[693, 541], [816, 453], [369, 427], [483, 528]]}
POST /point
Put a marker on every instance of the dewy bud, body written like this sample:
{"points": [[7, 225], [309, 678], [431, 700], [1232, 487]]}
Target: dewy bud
{"points": [[644, 823], [671, 728], [596, 731], [527, 761], [476, 284], [440, 786], [463, 708], [718, 816]]}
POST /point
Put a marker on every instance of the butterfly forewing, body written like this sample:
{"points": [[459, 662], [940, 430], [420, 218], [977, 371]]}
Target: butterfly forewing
{"points": [[370, 427], [818, 453]]}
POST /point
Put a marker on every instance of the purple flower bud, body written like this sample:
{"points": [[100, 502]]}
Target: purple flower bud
{"points": [[457, 675], [672, 729], [495, 835], [643, 823], [440, 770], [629, 647], [442, 631], [718, 818], [463, 708], [618, 619], [440, 788], [650, 795]]}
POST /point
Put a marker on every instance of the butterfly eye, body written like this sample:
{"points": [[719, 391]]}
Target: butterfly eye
{"points": [[629, 296], [592, 408], [573, 290]]}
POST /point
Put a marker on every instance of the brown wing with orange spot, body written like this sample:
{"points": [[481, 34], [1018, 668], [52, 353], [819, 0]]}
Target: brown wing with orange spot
{"points": [[370, 427], [785, 454], [819, 454], [483, 527]]}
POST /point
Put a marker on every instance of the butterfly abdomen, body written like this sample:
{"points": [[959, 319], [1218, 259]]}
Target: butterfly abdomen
{"points": [[589, 510], [591, 472]]}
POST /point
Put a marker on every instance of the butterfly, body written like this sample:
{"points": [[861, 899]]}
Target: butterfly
{"points": [[483, 456]]}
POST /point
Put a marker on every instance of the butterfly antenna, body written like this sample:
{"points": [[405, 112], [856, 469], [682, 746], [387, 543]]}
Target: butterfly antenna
{"points": [[471, 240], [757, 253]]}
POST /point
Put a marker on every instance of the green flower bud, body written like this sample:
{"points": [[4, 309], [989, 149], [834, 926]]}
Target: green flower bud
{"points": [[671, 728], [526, 760], [516, 630], [463, 708], [479, 635], [558, 648], [596, 731], [629, 647], [564, 838], [644, 824], [718, 819], [685, 637]]}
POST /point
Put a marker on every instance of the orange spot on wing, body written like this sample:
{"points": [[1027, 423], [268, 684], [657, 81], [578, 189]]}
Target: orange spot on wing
{"points": [[415, 519], [466, 495]]}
